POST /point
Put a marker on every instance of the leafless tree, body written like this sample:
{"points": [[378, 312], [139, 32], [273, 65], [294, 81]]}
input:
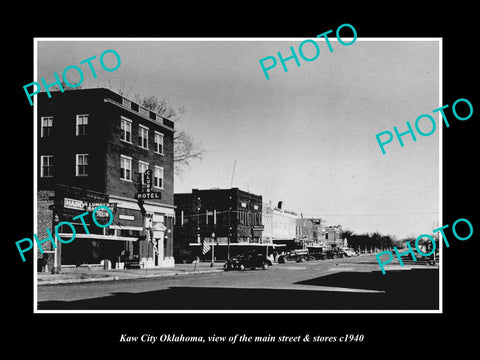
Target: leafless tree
{"points": [[185, 148]]}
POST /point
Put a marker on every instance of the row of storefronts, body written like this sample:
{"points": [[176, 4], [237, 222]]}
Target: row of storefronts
{"points": [[232, 221], [96, 147]]}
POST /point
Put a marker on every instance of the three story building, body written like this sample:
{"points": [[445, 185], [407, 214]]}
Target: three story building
{"points": [[94, 147]]}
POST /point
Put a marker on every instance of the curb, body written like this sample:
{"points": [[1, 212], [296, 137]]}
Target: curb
{"points": [[119, 278], [76, 281]]}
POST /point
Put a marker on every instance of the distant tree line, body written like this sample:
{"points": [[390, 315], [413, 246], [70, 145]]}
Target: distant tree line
{"points": [[371, 241]]}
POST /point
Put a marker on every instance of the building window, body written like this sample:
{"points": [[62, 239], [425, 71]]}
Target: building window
{"points": [[82, 165], [142, 167], [143, 137], [126, 130], [143, 111], [46, 169], [158, 177], [127, 103], [47, 124], [158, 143], [125, 168], [82, 123]]}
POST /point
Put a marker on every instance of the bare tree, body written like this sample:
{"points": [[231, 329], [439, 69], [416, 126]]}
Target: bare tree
{"points": [[66, 87], [185, 148]]}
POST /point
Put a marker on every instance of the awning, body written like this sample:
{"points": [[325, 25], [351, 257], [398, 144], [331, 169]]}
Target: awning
{"points": [[240, 244], [96, 237], [159, 227]]}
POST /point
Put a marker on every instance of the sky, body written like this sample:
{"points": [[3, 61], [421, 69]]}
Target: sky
{"points": [[305, 137]]}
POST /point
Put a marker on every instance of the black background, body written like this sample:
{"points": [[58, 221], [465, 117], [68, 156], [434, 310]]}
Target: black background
{"points": [[385, 334]]}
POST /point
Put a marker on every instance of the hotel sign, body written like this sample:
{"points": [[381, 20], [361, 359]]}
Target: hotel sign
{"points": [[147, 192], [149, 195]]}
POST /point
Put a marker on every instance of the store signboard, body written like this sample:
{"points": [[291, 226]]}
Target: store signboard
{"points": [[82, 205], [74, 204]]}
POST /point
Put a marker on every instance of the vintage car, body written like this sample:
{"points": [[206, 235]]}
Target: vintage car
{"points": [[350, 252], [250, 260], [298, 255]]}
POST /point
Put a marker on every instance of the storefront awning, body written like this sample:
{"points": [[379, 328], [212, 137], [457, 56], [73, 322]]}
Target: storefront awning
{"points": [[240, 244], [67, 236]]}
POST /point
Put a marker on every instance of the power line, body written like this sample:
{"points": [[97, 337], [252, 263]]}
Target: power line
{"points": [[398, 214], [218, 212]]}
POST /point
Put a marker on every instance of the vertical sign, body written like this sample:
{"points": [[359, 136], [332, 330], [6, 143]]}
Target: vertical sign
{"points": [[147, 179]]}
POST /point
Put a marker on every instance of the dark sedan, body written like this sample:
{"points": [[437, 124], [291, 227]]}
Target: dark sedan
{"points": [[248, 260]]}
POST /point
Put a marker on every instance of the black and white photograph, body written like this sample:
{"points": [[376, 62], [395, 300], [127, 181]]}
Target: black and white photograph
{"points": [[303, 181], [270, 194]]}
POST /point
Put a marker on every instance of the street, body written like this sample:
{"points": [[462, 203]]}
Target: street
{"points": [[354, 283]]}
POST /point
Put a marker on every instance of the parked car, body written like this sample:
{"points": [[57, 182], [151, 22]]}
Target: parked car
{"points": [[182, 256], [250, 260], [132, 263], [335, 253], [298, 255], [317, 253], [350, 252]]}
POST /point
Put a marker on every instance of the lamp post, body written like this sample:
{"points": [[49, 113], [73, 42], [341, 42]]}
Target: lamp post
{"points": [[213, 249], [56, 266]]}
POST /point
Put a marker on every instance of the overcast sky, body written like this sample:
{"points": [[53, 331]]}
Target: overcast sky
{"points": [[306, 136]]}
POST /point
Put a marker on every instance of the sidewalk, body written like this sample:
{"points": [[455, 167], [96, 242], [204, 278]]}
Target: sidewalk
{"points": [[86, 274]]}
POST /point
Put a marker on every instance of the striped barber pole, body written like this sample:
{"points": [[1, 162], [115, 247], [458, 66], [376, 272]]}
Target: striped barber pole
{"points": [[205, 248], [155, 249]]}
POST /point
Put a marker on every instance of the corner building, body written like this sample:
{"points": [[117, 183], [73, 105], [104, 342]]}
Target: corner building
{"points": [[94, 148], [228, 220]]}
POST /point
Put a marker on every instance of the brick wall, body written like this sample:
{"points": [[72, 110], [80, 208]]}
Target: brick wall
{"points": [[44, 221], [115, 147]]}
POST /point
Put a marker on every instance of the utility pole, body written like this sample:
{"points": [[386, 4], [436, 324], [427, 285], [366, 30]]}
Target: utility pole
{"points": [[229, 227], [233, 172], [213, 249]]}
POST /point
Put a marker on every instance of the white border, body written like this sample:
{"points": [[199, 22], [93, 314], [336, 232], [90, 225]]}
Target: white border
{"points": [[35, 170]]}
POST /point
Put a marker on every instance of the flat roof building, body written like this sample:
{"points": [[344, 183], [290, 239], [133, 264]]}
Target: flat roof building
{"points": [[280, 225], [96, 146], [229, 219]]}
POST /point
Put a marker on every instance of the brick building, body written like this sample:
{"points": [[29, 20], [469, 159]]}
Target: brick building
{"points": [[95, 146], [311, 230], [333, 236], [229, 219]]}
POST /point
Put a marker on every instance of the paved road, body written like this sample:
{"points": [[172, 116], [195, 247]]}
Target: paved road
{"points": [[342, 284]]}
